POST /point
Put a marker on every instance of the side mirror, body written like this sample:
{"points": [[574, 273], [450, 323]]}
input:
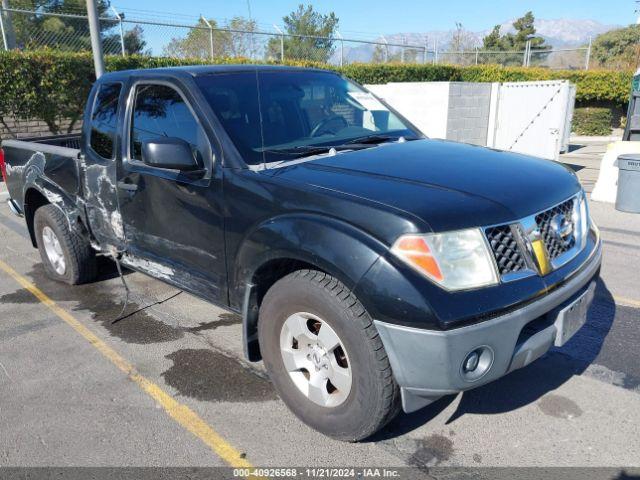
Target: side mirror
{"points": [[169, 152]]}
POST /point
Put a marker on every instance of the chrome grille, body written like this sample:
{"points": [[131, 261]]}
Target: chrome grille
{"points": [[505, 249], [539, 243], [554, 245]]}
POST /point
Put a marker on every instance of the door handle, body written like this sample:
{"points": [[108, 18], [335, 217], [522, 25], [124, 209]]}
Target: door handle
{"points": [[129, 187]]}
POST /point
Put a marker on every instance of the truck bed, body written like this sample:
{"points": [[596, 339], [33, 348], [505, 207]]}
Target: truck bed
{"points": [[54, 158], [67, 141]]}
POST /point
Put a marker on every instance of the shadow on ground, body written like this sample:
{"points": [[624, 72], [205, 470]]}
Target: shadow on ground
{"points": [[574, 146], [104, 302], [530, 384], [573, 166]]}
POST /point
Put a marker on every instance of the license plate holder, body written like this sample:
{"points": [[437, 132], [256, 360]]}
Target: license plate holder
{"points": [[572, 317]]}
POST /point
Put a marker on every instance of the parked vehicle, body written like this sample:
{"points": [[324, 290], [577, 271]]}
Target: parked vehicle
{"points": [[373, 268]]}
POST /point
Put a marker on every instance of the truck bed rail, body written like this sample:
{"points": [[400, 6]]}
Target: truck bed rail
{"points": [[67, 145]]}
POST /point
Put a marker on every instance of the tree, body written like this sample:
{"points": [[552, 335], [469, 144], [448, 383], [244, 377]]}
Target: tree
{"points": [[310, 35], [410, 55], [235, 39], [241, 40], [461, 41], [617, 49], [492, 41], [525, 31], [63, 33], [134, 42], [197, 43], [379, 54]]}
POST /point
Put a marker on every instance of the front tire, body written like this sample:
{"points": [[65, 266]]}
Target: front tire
{"points": [[325, 357], [67, 256]]}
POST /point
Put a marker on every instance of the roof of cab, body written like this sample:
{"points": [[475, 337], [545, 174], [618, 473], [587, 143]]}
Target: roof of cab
{"points": [[200, 70]]}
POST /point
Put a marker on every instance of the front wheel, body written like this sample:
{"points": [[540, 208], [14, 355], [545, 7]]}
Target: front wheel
{"points": [[325, 357]]}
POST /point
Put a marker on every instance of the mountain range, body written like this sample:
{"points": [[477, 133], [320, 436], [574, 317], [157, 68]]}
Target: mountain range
{"points": [[558, 33], [565, 33]]}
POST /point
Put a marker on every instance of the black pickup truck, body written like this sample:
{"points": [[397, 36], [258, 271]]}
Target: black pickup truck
{"points": [[374, 268]]}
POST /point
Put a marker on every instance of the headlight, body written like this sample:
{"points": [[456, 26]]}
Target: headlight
{"points": [[582, 219], [454, 260]]}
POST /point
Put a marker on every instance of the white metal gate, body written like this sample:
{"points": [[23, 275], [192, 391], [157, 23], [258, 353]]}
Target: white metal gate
{"points": [[532, 117]]}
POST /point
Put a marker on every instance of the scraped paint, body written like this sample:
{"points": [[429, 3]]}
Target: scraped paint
{"points": [[155, 269]]}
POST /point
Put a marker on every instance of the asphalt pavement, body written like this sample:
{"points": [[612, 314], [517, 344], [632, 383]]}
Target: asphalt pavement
{"points": [[167, 385]]}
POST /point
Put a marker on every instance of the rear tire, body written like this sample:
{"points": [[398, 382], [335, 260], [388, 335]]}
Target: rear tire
{"points": [[355, 409], [67, 256]]}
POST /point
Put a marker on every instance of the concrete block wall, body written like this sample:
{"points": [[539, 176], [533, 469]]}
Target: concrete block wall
{"points": [[458, 111], [14, 128], [468, 112]]}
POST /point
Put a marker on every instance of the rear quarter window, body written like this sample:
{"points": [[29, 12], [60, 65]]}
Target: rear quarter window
{"points": [[104, 119]]}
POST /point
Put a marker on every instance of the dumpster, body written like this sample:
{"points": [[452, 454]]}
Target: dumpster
{"points": [[628, 198]]}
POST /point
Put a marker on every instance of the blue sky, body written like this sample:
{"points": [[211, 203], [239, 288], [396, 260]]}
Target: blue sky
{"points": [[388, 16]]}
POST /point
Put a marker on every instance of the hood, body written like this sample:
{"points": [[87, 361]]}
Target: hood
{"points": [[447, 185]]}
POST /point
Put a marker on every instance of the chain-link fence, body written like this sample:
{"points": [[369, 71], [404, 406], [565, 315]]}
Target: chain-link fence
{"points": [[31, 30]]}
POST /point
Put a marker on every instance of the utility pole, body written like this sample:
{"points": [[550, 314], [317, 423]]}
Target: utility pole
{"points": [[252, 26], [426, 48], [2, 30], [435, 51], [6, 23], [386, 49], [96, 43], [525, 58], [119, 17], [588, 59], [341, 47], [281, 42], [210, 34]]}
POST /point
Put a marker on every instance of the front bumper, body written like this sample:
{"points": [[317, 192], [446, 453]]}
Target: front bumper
{"points": [[427, 364]]}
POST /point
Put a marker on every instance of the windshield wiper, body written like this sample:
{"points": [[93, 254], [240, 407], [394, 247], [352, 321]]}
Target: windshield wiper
{"points": [[369, 139], [302, 151]]}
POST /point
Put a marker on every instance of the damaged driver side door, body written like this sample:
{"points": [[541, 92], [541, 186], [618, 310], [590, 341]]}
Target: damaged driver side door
{"points": [[169, 192]]}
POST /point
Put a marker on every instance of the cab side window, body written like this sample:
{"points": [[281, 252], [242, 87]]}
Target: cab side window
{"points": [[160, 111], [104, 120]]}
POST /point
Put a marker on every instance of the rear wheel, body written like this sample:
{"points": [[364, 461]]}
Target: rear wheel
{"points": [[67, 256], [325, 357]]}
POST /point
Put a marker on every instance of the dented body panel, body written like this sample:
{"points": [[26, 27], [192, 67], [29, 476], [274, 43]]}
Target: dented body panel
{"points": [[50, 174], [53, 170]]}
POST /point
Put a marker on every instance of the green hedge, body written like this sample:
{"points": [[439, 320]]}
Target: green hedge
{"points": [[592, 121], [50, 85], [44, 86], [591, 85]]}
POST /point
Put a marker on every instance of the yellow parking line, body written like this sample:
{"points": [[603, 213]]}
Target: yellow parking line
{"points": [[626, 301], [179, 412]]}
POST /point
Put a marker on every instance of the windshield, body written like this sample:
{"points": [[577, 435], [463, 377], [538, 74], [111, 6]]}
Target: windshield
{"points": [[293, 112]]}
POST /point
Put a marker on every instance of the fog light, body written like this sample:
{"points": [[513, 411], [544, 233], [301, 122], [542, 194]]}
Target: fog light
{"points": [[471, 362], [476, 363]]}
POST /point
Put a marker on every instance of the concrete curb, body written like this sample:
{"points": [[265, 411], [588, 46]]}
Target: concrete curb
{"points": [[594, 139]]}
